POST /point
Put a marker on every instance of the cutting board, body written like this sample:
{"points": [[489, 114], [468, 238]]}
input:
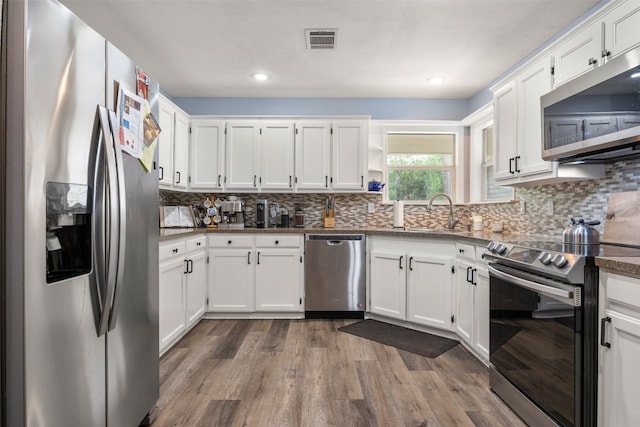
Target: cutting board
{"points": [[622, 221]]}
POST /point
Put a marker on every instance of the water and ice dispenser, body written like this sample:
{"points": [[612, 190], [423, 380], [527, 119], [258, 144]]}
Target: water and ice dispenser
{"points": [[68, 238]]}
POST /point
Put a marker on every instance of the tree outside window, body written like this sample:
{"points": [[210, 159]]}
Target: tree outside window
{"points": [[420, 165]]}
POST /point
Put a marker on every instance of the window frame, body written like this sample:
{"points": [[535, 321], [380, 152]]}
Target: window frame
{"points": [[483, 118], [456, 130]]}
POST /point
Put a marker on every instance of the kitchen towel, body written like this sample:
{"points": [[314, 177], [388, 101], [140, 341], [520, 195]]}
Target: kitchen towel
{"points": [[398, 214]]}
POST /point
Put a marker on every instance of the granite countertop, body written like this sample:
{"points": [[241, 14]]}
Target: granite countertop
{"points": [[624, 265]]}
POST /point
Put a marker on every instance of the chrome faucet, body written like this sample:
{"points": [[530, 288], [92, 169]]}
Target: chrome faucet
{"points": [[452, 223]]}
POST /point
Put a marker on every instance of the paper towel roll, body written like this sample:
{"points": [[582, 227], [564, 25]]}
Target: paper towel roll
{"points": [[398, 213]]}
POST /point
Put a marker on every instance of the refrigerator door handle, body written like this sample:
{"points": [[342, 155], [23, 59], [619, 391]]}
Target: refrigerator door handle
{"points": [[121, 222], [107, 212]]}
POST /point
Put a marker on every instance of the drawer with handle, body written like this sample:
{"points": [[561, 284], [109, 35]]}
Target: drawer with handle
{"points": [[278, 241], [171, 249], [231, 241], [195, 244]]}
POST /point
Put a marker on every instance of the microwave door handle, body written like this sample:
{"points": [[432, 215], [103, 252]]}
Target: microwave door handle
{"points": [[551, 292], [108, 225], [121, 222]]}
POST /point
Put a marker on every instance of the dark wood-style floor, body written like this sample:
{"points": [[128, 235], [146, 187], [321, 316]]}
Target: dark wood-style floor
{"points": [[307, 373]]}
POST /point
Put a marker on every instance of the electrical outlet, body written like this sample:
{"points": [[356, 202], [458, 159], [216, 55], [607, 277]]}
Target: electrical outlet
{"points": [[550, 207], [371, 208], [523, 207]]}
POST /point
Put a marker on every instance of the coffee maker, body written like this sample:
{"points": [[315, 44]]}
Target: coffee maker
{"points": [[232, 213], [262, 213]]}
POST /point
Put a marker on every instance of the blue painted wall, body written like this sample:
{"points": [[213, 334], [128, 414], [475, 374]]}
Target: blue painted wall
{"points": [[377, 108]]}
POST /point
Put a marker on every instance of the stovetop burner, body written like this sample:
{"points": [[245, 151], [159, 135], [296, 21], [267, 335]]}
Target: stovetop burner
{"points": [[552, 259]]}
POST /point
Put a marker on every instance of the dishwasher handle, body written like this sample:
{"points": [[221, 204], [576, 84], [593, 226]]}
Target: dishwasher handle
{"points": [[334, 242]]}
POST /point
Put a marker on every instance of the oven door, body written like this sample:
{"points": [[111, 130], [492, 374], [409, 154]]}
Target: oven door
{"points": [[535, 344]]}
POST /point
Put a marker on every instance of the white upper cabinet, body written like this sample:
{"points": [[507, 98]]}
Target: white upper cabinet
{"points": [[206, 154], [242, 150], [621, 29], [181, 150], [173, 146], [518, 122], [349, 159], [578, 54], [313, 151], [165, 144], [519, 132], [613, 33], [277, 156], [331, 155], [506, 131], [534, 82]]}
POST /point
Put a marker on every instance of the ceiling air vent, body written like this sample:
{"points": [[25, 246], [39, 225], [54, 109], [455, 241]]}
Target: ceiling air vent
{"points": [[321, 39]]}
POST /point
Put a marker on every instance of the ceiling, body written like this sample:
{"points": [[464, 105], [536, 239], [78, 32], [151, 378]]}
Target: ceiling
{"points": [[385, 48]]}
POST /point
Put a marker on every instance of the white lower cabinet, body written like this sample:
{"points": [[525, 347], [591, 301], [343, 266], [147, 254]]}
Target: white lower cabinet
{"points": [[231, 277], [249, 273], [388, 284], [278, 278], [172, 322], [619, 376], [410, 280], [429, 290], [182, 281], [471, 299]]}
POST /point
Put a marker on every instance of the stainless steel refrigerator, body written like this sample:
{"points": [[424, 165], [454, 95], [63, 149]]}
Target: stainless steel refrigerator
{"points": [[79, 223]]}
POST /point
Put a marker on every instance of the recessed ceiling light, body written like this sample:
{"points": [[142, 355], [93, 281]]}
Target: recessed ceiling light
{"points": [[261, 76], [436, 80]]}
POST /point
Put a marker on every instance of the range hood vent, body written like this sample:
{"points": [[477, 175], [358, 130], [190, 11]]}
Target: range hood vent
{"points": [[321, 38]]}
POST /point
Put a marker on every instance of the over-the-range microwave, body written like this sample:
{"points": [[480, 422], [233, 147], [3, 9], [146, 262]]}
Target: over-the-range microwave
{"points": [[595, 118]]}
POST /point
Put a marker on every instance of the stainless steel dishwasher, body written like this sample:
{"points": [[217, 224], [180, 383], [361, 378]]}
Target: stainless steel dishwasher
{"points": [[334, 276]]}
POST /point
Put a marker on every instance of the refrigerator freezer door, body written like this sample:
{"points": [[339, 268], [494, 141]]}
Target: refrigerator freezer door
{"points": [[132, 341], [64, 359]]}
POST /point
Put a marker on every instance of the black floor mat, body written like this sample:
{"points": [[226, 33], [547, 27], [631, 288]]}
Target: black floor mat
{"points": [[421, 343]]}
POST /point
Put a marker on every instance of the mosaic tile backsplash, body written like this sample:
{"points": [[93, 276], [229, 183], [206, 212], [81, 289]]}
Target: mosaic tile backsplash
{"points": [[583, 199]]}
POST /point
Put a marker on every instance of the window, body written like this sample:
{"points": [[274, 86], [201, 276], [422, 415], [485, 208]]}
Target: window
{"points": [[490, 190], [419, 165]]}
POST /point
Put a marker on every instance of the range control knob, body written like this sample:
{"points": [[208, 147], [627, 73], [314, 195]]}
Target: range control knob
{"points": [[491, 247], [545, 258], [560, 261], [500, 248]]}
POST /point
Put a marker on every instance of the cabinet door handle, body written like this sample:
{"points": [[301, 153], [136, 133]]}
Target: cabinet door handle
{"points": [[277, 242], [361, 181], [593, 61], [410, 263], [400, 261], [469, 275], [258, 257], [186, 266], [606, 53], [178, 181], [517, 167], [511, 165], [161, 173], [461, 251], [219, 178], [473, 277], [229, 242], [289, 181], [190, 266], [254, 180], [603, 325], [326, 181], [249, 257]]}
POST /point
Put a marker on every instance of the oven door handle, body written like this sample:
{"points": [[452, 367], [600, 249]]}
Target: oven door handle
{"points": [[566, 295]]}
